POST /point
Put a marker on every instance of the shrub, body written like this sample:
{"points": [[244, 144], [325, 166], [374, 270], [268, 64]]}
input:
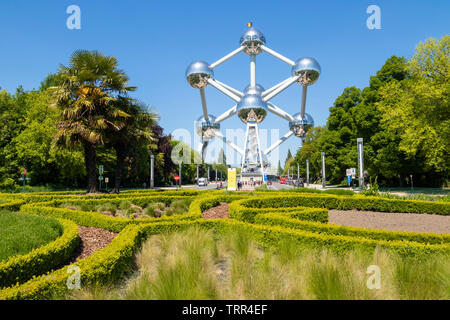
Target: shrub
{"points": [[9, 185]]}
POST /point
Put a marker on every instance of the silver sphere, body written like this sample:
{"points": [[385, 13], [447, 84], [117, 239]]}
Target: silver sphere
{"points": [[258, 89], [198, 73], [300, 126], [252, 39], [252, 108], [207, 129], [308, 69]]}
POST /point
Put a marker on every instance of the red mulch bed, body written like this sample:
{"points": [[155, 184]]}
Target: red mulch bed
{"points": [[219, 212], [92, 240]]}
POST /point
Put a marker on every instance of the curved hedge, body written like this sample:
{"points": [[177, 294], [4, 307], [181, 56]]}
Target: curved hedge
{"points": [[269, 217], [20, 268], [12, 205], [103, 266]]}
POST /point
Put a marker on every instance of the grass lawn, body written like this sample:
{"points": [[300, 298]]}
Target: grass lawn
{"points": [[21, 233], [197, 264]]}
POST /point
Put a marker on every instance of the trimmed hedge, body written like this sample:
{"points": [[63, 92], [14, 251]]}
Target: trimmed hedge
{"points": [[351, 202], [93, 219], [20, 268], [12, 205], [104, 266], [305, 219]]}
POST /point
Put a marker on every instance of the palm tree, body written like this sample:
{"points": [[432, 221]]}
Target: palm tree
{"points": [[136, 132], [85, 94]]}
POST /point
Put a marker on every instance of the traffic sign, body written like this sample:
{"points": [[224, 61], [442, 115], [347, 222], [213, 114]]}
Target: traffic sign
{"points": [[100, 169], [100, 178], [177, 178]]}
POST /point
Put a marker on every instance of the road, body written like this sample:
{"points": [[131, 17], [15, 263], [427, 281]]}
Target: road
{"points": [[210, 186]]}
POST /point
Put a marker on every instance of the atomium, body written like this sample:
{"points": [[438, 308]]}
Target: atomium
{"points": [[308, 70], [207, 129], [252, 40], [300, 125], [253, 103], [198, 73], [252, 108]]}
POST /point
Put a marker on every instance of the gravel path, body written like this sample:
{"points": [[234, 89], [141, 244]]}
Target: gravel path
{"points": [[219, 212], [391, 221], [92, 240]]}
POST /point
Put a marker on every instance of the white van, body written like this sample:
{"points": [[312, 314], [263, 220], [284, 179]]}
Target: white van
{"points": [[202, 182]]}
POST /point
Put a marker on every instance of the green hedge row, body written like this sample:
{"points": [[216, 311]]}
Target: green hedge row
{"points": [[141, 201], [245, 210], [270, 236], [103, 267], [20, 268], [91, 218], [351, 202], [12, 205], [239, 211]]}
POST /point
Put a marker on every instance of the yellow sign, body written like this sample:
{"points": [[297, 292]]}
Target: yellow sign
{"points": [[232, 179]]}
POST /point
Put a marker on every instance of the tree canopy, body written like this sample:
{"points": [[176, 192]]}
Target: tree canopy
{"points": [[403, 117]]}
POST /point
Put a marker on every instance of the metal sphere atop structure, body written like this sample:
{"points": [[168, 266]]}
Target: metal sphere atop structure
{"points": [[252, 108], [207, 129], [308, 69], [198, 73], [301, 125], [252, 39]]}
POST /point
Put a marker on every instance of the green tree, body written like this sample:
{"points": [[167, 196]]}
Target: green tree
{"points": [[33, 146], [87, 87], [279, 170], [417, 110], [136, 133]]}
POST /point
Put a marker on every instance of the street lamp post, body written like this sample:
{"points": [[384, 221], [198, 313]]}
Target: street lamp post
{"points": [[152, 171], [359, 142], [307, 172], [412, 186], [298, 171], [179, 173], [324, 180]]}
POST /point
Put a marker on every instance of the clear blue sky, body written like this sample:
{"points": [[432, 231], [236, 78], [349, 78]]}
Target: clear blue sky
{"points": [[156, 40]]}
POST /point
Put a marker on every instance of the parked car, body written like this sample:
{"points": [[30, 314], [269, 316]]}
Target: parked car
{"points": [[202, 182], [269, 183]]}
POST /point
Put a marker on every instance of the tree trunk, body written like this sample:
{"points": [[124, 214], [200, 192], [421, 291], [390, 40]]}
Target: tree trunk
{"points": [[90, 160], [120, 160]]}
